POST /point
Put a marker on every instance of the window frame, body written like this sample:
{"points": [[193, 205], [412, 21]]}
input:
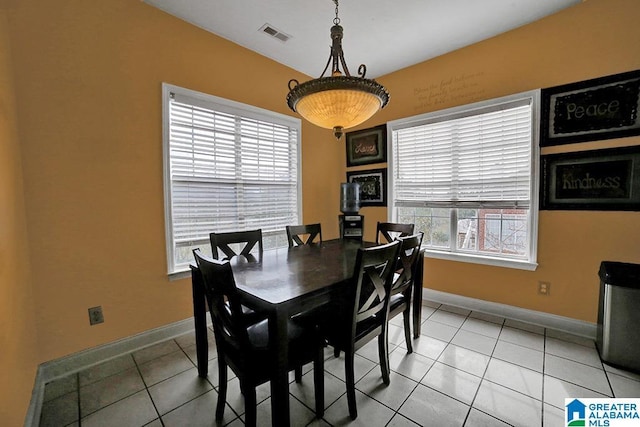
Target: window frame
{"points": [[452, 253], [176, 271]]}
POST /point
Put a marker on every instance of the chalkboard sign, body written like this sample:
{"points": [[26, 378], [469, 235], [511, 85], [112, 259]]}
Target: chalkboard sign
{"points": [[607, 179], [602, 108], [367, 146], [373, 186], [592, 180]]}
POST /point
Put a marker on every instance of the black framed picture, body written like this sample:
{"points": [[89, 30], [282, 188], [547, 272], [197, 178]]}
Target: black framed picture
{"points": [[602, 180], [373, 186], [367, 146], [597, 109]]}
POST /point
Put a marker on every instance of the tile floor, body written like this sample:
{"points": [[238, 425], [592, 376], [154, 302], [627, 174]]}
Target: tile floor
{"points": [[467, 369]]}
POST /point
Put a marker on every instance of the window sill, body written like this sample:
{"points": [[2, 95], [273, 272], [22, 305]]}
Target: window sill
{"points": [[181, 274], [484, 260]]}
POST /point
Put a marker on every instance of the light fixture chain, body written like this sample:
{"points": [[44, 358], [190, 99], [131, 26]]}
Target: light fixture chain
{"points": [[336, 20]]}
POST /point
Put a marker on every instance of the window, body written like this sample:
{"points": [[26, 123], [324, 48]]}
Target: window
{"points": [[227, 167], [467, 177]]}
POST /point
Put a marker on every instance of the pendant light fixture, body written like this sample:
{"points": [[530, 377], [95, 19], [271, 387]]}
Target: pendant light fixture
{"points": [[339, 101]]}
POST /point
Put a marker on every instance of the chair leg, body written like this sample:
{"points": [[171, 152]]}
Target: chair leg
{"points": [[298, 374], [222, 388], [407, 330], [250, 406], [351, 385], [383, 354], [318, 381]]}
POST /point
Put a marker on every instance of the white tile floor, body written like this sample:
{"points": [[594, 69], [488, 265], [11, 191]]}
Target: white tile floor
{"points": [[467, 369]]}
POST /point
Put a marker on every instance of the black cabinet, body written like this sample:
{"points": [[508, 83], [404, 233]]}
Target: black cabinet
{"points": [[351, 226]]}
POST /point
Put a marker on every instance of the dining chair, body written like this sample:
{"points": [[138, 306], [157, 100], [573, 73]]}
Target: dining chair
{"points": [[244, 346], [245, 241], [403, 278], [307, 234], [360, 315], [390, 230]]}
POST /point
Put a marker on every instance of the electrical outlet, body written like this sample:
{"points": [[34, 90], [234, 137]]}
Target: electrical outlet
{"points": [[544, 288], [95, 315]]}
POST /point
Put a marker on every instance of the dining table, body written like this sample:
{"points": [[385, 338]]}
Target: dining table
{"points": [[283, 282]]}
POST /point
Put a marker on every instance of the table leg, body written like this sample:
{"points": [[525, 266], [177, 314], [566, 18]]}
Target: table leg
{"points": [[417, 296], [278, 333], [200, 322]]}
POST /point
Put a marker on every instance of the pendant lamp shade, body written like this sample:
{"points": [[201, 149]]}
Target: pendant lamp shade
{"points": [[341, 101]]}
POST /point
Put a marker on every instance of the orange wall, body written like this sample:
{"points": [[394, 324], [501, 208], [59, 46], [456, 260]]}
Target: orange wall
{"points": [[18, 338], [88, 87], [593, 39], [88, 83]]}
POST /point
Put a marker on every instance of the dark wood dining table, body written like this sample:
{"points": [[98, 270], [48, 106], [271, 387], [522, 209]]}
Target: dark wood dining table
{"points": [[282, 283]]}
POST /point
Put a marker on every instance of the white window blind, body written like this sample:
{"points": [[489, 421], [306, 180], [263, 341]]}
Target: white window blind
{"points": [[481, 158], [229, 169], [467, 178]]}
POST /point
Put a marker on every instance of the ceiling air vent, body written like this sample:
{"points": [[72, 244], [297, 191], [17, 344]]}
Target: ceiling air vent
{"points": [[271, 31]]}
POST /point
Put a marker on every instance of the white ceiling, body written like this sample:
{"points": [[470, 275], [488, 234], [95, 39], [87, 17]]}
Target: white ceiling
{"points": [[386, 35]]}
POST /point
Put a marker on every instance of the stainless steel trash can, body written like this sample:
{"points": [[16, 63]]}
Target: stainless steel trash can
{"points": [[618, 337]]}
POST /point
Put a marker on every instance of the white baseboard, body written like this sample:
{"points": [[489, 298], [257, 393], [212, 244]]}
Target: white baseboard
{"points": [[77, 362], [553, 321]]}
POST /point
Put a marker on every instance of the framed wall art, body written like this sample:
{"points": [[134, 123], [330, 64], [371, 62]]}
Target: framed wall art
{"points": [[597, 109], [373, 186], [367, 146], [601, 180]]}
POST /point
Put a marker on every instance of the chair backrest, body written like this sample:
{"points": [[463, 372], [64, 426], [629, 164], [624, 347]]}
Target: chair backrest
{"points": [[224, 304], [296, 234], [391, 230], [246, 240], [371, 284], [407, 258]]}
